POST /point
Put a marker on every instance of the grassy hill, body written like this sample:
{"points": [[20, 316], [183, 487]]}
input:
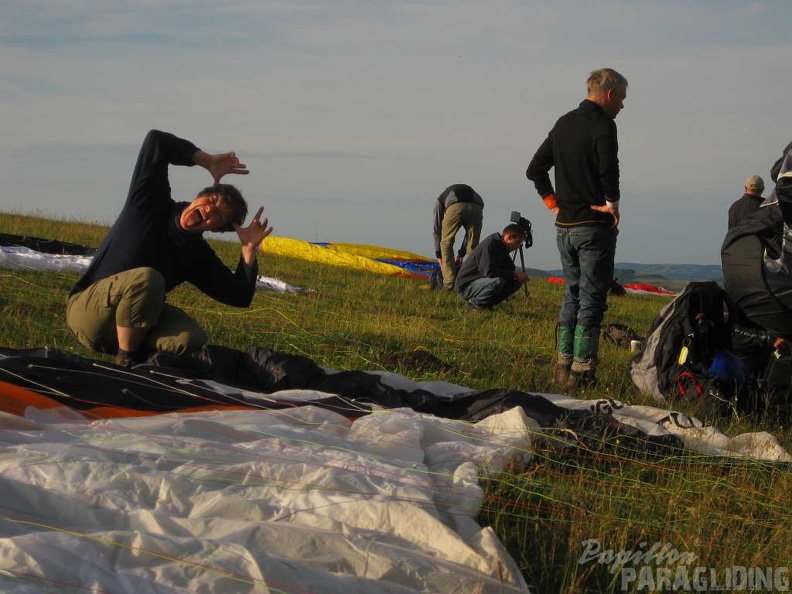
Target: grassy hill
{"points": [[675, 272], [727, 513]]}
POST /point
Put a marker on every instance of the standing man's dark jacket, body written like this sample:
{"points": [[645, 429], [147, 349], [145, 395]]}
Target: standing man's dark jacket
{"points": [[744, 206], [491, 258], [147, 232], [580, 183]]}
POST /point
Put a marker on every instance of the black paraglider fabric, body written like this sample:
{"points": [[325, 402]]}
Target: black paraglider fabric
{"points": [[253, 378]]}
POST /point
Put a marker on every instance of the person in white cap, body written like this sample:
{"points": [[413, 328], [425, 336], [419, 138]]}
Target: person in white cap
{"points": [[749, 202]]}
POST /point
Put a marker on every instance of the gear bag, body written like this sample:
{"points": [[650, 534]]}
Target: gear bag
{"points": [[620, 335], [687, 351]]}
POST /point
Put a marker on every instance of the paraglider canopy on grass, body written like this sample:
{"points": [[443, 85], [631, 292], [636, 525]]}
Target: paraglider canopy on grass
{"points": [[638, 288], [371, 258]]}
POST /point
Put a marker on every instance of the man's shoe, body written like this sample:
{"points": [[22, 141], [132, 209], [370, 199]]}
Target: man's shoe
{"points": [[562, 375], [582, 380], [124, 360], [130, 359], [472, 307], [446, 288]]}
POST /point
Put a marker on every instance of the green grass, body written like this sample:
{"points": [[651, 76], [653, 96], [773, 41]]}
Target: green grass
{"points": [[572, 490]]}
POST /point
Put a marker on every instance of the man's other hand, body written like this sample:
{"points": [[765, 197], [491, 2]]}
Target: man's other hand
{"points": [[251, 236], [613, 210]]}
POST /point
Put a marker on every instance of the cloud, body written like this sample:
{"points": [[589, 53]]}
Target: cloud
{"points": [[356, 111]]}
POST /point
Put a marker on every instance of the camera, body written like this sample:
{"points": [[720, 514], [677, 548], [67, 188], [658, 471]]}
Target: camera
{"points": [[524, 225]]}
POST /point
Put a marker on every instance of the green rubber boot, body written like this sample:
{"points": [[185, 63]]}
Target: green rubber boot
{"points": [[585, 352], [565, 342]]}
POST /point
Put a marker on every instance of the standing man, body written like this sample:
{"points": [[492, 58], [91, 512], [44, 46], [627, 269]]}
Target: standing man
{"points": [[488, 275], [118, 306], [749, 202], [583, 148], [458, 206]]}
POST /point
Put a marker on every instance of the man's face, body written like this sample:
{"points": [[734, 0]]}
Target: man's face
{"points": [[513, 241], [206, 213], [614, 100]]}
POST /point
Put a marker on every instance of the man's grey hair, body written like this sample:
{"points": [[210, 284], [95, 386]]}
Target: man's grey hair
{"points": [[603, 80]]}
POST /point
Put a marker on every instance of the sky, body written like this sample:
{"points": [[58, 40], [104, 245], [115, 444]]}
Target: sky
{"points": [[354, 115]]}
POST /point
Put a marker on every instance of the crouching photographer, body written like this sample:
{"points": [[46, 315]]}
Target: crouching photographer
{"points": [[488, 276]]}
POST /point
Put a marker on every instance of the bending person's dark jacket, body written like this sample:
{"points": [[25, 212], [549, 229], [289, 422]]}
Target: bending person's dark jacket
{"points": [[583, 147], [491, 258], [147, 232]]}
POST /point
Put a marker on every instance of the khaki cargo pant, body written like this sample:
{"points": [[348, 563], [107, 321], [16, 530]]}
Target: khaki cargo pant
{"points": [[458, 215], [131, 299]]}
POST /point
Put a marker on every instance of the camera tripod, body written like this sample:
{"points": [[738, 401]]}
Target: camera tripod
{"points": [[525, 226], [522, 265]]}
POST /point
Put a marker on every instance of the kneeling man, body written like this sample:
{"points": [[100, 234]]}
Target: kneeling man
{"points": [[118, 306]]}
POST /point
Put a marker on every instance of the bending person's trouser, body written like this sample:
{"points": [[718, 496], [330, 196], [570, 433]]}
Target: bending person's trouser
{"points": [[131, 299], [460, 214], [487, 292]]}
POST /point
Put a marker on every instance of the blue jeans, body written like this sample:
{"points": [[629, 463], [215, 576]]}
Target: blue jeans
{"points": [[487, 292], [587, 255]]}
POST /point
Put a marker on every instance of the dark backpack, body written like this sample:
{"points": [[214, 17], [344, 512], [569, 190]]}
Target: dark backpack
{"points": [[687, 351]]}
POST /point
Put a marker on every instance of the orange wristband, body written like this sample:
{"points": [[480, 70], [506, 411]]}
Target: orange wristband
{"points": [[550, 201]]}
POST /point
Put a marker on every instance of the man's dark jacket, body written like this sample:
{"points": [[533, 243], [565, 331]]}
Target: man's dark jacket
{"points": [[583, 147], [742, 207]]}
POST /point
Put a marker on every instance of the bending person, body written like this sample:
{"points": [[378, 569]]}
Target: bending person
{"points": [[459, 206], [118, 306]]}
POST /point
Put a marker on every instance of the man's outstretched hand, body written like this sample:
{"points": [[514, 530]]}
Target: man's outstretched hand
{"points": [[251, 236], [220, 164], [225, 163]]}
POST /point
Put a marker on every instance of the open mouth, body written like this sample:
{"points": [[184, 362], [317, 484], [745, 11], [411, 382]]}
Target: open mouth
{"points": [[194, 217]]}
